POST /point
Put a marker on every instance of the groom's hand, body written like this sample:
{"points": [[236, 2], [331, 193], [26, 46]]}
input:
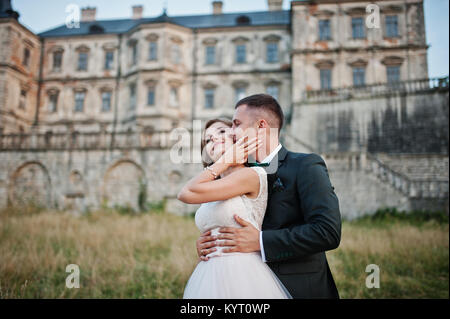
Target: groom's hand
{"points": [[244, 240], [205, 245]]}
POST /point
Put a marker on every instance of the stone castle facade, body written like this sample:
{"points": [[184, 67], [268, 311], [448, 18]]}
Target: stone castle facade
{"points": [[94, 104]]}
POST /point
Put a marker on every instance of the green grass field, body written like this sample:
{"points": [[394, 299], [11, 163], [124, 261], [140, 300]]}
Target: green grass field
{"points": [[151, 255]]}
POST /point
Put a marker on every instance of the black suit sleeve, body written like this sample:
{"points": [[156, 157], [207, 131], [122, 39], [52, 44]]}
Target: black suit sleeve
{"points": [[320, 208]]}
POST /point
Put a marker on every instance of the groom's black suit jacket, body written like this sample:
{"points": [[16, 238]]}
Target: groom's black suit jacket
{"points": [[302, 221]]}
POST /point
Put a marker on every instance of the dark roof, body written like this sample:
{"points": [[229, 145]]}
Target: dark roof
{"points": [[193, 22]]}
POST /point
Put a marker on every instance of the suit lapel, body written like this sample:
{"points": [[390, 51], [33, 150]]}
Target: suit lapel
{"points": [[272, 169]]}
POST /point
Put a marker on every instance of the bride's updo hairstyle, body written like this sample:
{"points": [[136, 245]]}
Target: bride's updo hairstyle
{"points": [[206, 160]]}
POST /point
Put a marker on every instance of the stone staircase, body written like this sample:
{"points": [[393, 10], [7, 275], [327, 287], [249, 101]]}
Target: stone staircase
{"points": [[423, 178]]}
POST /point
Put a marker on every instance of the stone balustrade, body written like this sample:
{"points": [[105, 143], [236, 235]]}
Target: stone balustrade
{"points": [[371, 90], [95, 140]]}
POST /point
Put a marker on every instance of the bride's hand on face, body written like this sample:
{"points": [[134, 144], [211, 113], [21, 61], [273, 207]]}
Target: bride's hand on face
{"points": [[239, 152]]}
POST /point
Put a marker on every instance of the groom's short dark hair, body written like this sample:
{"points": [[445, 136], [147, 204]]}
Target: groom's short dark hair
{"points": [[264, 102]]}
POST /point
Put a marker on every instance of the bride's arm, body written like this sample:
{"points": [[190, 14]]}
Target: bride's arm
{"points": [[204, 188]]}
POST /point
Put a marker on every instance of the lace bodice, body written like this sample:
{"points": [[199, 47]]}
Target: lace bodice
{"points": [[213, 215]]}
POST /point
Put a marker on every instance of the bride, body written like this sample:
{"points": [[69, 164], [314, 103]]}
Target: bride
{"points": [[227, 188]]}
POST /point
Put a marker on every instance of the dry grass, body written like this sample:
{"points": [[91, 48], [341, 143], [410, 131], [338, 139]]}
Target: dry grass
{"points": [[153, 255]]}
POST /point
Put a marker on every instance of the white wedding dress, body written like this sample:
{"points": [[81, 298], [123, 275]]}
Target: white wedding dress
{"points": [[234, 275]]}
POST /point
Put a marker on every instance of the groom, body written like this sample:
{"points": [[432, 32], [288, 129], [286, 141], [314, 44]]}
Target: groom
{"points": [[302, 218]]}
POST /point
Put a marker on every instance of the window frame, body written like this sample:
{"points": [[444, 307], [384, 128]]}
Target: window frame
{"points": [[328, 37], [361, 28]]}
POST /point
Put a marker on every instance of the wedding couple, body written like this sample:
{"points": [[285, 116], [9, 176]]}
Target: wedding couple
{"points": [[265, 224]]}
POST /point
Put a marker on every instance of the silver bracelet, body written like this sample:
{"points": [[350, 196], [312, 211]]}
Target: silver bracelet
{"points": [[212, 172]]}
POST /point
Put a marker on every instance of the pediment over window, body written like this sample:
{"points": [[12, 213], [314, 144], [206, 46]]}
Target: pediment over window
{"points": [[151, 82], [240, 84], [56, 48], [323, 14], [272, 38], [152, 37], [176, 39], [272, 82], [82, 48], [392, 60], [209, 85], [28, 43], [175, 83], [391, 9], [359, 11], [52, 91], [357, 63], [324, 64], [109, 46], [79, 89], [106, 89], [240, 39], [132, 42], [210, 41]]}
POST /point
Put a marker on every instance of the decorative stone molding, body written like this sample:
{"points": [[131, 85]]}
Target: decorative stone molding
{"points": [[272, 38], [210, 41], [357, 63], [151, 82], [175, 83], [391, 9], [324, 64], [209, 85], [323, 14], [356, 12], [240, 84], [109, 46], [240, 39], [176, 39], [82, 48], [392, 61], [152, 37]]}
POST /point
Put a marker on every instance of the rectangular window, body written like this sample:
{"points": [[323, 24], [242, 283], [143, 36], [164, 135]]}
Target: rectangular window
{"points": [[79, 101], [392, 26], [239, 93], [324, 30], [57, 61], [241, 53], [359, 76], [134, 54], [153, 51], [273, 90], [176, 54], [210, 54], [272, 52], [393, 74], [132, 96], [82, 61], [23, 99], [106, 101], [151, 96], [109, 58], [26, 56], [358, 28], [173, 97], [52, 102], [325, 79], [209, 98]]}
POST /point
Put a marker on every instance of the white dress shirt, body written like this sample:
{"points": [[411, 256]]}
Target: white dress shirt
{"points": [[267, 160]]}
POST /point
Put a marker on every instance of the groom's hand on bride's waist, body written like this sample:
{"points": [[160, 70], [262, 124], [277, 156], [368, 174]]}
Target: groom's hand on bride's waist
{"points": [[205, 245], [244, 240]]}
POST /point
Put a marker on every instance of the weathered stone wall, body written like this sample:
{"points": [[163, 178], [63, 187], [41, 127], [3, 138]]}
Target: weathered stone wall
{"points": [[397, 121], [86, 179]]}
